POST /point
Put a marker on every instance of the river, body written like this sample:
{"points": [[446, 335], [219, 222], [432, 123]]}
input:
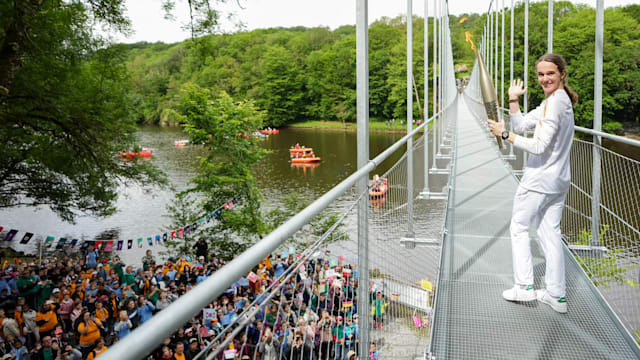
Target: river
{"points": [[143, 213]]}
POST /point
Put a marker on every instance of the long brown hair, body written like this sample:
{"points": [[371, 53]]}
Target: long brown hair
{"points": [[562, 68]]}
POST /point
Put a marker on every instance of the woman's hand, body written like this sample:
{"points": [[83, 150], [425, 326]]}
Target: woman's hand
{"points": [[496, 128], [516, 89]]}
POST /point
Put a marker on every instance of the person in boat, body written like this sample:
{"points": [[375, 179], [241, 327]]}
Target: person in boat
{"points": [[375, 183], [297, 146], [312, 155]]}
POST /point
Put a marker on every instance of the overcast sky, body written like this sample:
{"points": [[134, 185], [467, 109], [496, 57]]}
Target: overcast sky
{"points": [[150, 25]]}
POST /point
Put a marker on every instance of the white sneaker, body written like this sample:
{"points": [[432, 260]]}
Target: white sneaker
{"points": [[519, 293], [557, 304]]}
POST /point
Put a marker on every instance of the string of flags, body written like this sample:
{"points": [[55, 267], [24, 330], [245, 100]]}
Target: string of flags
{"points": [[119, 245]]}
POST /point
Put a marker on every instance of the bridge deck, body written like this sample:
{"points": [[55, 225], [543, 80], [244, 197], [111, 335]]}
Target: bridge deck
{"points": [[471, 318]]}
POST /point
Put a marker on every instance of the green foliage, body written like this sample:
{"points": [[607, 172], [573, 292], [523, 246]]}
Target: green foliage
{"points": [[216, 121], [68, 110], [183, 210], [322, 223], [604, 269]]}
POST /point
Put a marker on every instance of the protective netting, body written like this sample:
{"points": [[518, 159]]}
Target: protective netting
{"points": [[306, 303]]}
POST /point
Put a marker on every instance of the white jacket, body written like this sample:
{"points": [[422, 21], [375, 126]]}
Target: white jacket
{"points": [[548, 166]]}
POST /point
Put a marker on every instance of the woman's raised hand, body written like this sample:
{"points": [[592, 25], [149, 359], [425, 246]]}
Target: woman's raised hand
{"points": [[516, 89]]}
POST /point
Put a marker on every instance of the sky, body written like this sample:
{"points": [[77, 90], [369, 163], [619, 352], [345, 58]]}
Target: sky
{"points": [[149, 23]]}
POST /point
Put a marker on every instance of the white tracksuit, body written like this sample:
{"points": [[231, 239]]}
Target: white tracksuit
{"points": [[539, 200]]}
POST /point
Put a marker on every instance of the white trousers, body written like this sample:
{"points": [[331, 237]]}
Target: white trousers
{"points": [[543, 212]]}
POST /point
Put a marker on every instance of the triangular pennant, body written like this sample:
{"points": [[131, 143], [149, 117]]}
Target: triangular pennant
{"points": [[129, 243], [10, 235], [187, 230], [213, 215], [73, 243], [208, 217], [1, 228], [120, 243], [165, 237], [226, 206], [173, 234], [194, 227], [85, 245], [109, 246], [158, 239], [26, 238], [150, 241], [61, 243], [180, 232], [230, 205], [201, 221], [48, 241], [139, 242], [219, 212], [98, 245]]}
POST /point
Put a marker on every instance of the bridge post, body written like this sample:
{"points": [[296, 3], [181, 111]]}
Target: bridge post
{"points": [[597, 126], [550, 27], [362, 108], [526, 70], [409, 117], [435, 85], [425, 194]]}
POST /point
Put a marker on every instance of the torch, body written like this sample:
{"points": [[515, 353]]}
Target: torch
{"points": [[489, 96]]}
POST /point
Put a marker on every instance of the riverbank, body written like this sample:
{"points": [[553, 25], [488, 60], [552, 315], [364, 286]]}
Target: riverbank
{"points": [[338, 125]]}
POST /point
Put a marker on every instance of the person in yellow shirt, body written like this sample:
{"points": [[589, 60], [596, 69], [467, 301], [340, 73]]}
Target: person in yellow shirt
{"points": [[89, 329], [46, 319], [101, 312], [99, 349]]}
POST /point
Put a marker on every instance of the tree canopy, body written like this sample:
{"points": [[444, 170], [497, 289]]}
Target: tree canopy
{"points": [[299, 74]]}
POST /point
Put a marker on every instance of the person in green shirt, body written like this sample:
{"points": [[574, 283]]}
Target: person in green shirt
{"points": [[117, 266], [128, 278], [28, 287]]}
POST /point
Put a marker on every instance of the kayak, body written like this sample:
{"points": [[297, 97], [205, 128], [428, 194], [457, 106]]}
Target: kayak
{"points": [[130, 155], [267, 132], [182, 142]]}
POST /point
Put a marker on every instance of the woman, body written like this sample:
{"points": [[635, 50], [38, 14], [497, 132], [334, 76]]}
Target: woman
{"points": [[539, 199], [89, 329], [163, 301]]}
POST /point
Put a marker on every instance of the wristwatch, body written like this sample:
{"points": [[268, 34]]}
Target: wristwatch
{"points": [[505, 135]]}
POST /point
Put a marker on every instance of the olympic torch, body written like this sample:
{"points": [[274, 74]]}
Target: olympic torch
{"points": [[489, 96]]}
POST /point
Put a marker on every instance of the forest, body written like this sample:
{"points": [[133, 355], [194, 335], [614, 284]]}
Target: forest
{"points": [[299, 74]]}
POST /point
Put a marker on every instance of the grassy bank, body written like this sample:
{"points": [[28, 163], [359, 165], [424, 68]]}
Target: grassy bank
{"points": [[373, 126]]}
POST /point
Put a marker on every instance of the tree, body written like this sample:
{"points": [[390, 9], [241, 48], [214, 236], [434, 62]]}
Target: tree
{"points": [[216, 121]]}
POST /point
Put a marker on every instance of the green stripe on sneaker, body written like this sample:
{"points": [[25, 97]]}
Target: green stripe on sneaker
{"points": [[529, 287], [562, 300]]}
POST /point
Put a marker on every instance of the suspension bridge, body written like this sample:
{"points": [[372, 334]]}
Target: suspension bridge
{"points": [[436, 246]]}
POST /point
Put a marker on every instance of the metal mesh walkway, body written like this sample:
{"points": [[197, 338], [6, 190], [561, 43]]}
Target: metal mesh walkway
{"points": [[472, 321]]}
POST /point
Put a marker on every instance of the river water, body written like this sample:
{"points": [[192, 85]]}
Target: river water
{"points": [[143, 213]]}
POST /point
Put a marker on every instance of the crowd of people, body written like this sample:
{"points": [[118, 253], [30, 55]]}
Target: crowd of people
{"points": [[76, 307]]}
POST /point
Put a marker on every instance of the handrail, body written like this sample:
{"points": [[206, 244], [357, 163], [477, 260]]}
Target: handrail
{"points": [[138, 344]]}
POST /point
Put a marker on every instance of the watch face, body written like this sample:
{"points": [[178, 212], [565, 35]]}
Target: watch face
{"points": [[505, 135]]}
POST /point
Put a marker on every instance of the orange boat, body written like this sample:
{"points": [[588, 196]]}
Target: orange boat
{"points": [[181, 142], [300, 150], [130, 155], [305, 160], [380, 190], [272, 131]]}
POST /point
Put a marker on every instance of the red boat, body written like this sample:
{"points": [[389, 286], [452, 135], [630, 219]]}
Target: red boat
{"points": [[305, 160], [268, 132], [130, 155]]}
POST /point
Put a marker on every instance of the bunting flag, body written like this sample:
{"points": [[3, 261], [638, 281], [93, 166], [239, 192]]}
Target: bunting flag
{"points": [[333, 263], [190, 229], [10, 235], [327, 252], [61, 243], [48, 241], [26, 238], [108, 246]]}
